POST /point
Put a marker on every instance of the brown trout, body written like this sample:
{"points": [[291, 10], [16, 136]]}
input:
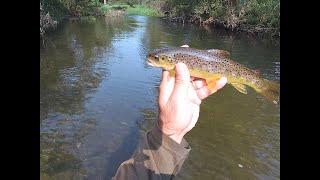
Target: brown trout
{"points": [[213, 64]]}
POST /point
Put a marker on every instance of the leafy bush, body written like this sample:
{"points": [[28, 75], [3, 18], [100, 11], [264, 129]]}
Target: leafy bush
{"points": [[263, 12], [60, 8], [210, 8], [46, 22], [104, 8], [56, 8], [181, 7]]}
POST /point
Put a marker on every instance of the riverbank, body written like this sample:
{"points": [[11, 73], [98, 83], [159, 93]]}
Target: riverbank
{"points": [[53, 12], [240, 28], [256, 17], [261, 18], [46, 22], [132, 9]]}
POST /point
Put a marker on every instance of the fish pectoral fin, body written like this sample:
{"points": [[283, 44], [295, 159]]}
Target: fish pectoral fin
{"points": [[211, 83], [240, 87], [218, 52]]}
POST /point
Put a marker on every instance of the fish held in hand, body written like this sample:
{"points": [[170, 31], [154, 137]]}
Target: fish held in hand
{"points": [[213, 64]]}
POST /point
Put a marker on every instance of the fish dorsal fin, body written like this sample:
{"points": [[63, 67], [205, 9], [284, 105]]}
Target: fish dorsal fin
{"points": [[218, 52], [240, 87]]}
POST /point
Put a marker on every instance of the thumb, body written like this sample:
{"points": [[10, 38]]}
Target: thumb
{"points": [[182, 78]]}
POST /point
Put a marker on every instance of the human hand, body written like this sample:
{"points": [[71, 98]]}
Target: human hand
{"points": [[179, 101]]}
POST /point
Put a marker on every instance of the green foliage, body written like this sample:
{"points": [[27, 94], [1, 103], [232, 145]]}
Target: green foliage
{"points": [[88, 7], [143, 10], [212, 8], [56, 8], [46, 22], [119, 7], [104, 8], [181, 7], [60, 8], [264, 13], [136, 9]]}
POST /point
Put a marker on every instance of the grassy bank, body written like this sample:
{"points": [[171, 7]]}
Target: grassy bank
{"points": [[143, 10]]}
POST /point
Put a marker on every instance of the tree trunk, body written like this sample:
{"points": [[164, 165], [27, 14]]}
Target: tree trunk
{"points": [[104, 2]]}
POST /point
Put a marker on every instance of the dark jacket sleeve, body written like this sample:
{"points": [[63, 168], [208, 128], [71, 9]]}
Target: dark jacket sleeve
{"points": [[157, 157]]}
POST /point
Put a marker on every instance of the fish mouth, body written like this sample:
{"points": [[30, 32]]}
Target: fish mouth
{"points": [[150, 63], [152, 60]]}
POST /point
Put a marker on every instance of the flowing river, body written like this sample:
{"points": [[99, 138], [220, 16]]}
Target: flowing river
{"points": [[98, 96]]}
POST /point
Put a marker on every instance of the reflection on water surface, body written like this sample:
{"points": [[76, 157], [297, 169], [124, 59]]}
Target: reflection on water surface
{"points": [[97, 96]]}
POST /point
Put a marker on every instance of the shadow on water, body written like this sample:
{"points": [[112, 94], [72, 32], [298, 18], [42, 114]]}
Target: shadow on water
{"points": [[130, 142], [133, 144], [122, 153]]}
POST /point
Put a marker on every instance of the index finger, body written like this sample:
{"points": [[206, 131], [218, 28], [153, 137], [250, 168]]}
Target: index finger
{"points": [[165, 75]]}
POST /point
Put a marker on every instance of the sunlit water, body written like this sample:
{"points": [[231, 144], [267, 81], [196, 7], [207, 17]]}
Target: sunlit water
{"points": [[97, 96]]}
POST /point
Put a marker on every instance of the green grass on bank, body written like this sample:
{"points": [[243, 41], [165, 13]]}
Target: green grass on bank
{"points": [[144, 10], [108, 7], [136, 10]]}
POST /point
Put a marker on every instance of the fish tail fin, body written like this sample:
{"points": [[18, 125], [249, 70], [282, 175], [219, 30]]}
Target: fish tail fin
{"points": [[271, 91]]}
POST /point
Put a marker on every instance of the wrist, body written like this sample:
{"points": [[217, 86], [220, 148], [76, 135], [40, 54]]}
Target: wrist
{"points": [[175, 136]]}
